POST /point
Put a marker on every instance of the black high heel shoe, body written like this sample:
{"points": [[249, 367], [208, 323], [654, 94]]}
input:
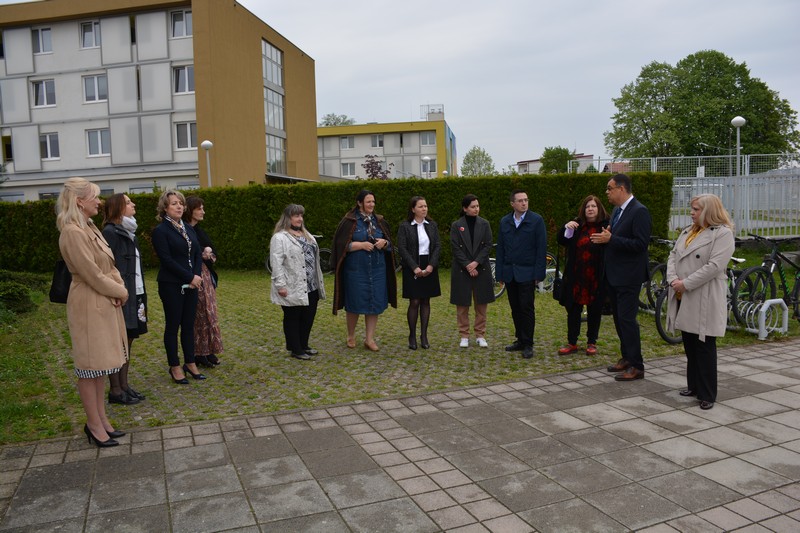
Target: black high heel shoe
{"points": [[115, 434], [423, 342], [182, 381], [214, 360], [194, 376], [203, 361], [412, 342], [100, 444]]}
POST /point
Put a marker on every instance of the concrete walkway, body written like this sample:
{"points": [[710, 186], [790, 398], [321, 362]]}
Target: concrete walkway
{"points": [[573, 452]]}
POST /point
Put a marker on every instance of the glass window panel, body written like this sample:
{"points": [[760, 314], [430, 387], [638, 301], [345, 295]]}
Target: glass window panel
{"points": [[102, 87]]}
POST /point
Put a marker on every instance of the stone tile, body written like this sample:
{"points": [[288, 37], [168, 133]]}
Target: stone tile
{"points": [[467, 493], [592, 441], [755, 406], [430, 501], [599, 414], [728, 440], [390, 459], [525, 490], [777, 459], [746, 387], [29, 508], [396, 433], [743, 477], [778, 501], [507, 524], [584, 476], [417, 485], [486, 509], [368, 438], [202, 483], [46, 459], [17, 452], [288, 501], [788, 418], [320, 439], [338, 461], [225, 511], [523, 407], [775, 379], [394, 516], [767, 430], [403, 471], [640, 406], [555, 422], [452, 517], [275, 471], [129, 466], [329, 522], [377, 448], [507, 431], [685, 451], [211, 438], [689, 524], [544, 451], [487, 463], [55, 478], [639, 431], [455, 441], [450, 478], [570, 515], [722, 414], [137, 520], [566, 399], [634, 506], [691, 491], [428, 422], [680, 422], [407, 443], [259, 449], [782, 523], [637, 463], [361, 488], [431, 466], [200, 457], [122, 494], [752, 510]]}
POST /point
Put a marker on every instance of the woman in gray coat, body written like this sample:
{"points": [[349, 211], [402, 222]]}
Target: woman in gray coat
{"points": [[470, 272], [697, 304], [297, 283]]}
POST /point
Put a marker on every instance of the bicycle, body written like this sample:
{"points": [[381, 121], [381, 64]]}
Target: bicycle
{"points": [[756, 285], [662, 298], [324, 259], [545, 286], [657, 279]]}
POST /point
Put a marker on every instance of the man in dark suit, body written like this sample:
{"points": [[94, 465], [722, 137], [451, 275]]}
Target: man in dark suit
{"points": [[625, 270], [520, 264]]}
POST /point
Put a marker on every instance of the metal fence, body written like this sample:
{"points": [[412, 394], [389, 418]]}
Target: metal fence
{"points": [[764, 199]]}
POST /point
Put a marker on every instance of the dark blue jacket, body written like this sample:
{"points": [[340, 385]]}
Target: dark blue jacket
{"points": [[173, 254], [521, 250], [626, 252]]}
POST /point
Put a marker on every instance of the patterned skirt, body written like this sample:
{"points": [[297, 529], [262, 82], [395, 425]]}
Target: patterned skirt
{"points": [[207, 335]]}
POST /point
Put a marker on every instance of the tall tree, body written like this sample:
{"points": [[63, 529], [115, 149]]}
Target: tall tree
{"points": [[687, 109], [556, 159], [332, 119], [477, 162]]}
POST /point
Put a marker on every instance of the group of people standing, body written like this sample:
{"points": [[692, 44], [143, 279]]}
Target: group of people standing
{"points": [[107, 302]]}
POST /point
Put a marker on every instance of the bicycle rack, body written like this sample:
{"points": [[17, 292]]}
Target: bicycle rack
{"points": [[760, 318]]}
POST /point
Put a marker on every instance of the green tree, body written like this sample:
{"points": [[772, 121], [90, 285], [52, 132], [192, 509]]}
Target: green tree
{"points": [[332, 119], [686, 110], [556, 159], [374, 168], [477, 162]]}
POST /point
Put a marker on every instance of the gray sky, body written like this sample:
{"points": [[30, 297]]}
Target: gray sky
{"points": [[516, 76]]}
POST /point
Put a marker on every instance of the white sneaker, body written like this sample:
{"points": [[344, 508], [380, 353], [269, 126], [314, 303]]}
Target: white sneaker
{"points": [[482, 342], [464, 342]]}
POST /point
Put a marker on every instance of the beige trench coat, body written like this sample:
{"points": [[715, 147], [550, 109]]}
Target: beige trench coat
{"points": [[96, 327], [289, 270], [702, 265]]}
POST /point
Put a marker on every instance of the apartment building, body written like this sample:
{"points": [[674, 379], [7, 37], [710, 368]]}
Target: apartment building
{"points": [[425, 149], [124, 92]]}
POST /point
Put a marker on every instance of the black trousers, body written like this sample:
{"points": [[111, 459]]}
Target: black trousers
{"points": [[625, 306], [521, 297], [297, 322], [179, 313], [593, 316], [701, 365]]}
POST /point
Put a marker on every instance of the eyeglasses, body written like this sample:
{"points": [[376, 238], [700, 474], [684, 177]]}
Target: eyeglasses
{"points": [[609, 188], [521, 200]]}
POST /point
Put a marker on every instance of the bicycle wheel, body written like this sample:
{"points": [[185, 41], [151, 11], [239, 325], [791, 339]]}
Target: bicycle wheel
{"points": [[796, 298], [550, 271], [325, 260], [661, 319], [658, 282], [755, 286], [499, 288]]}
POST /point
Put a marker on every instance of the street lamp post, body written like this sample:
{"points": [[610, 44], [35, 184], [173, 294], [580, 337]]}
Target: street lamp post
{"points": [[737, 123], [427, 161], [207, 146]]}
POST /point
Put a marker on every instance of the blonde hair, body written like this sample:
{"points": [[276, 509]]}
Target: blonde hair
{"points": [[163, 202], [712, 212], [67, 210]]}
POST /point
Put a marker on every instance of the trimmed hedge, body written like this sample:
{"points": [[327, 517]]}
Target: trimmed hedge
{"points": [[240, 220]]}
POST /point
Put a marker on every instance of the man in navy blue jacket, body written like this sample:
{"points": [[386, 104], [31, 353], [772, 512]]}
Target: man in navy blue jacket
{"points": [[520, 264]]}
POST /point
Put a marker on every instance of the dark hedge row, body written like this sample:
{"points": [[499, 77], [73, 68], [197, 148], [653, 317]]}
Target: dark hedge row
{"points": [[240, 220]]}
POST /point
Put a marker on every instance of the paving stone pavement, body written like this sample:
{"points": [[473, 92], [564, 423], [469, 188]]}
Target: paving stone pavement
{"points": [[569, 452]]}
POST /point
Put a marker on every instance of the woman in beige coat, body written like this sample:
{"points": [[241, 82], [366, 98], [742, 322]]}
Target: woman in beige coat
{"points": [[697, 305], [94, 305]]}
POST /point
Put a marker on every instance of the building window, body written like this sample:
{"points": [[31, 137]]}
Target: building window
{"points": [[272, 64], [428, 138], [429, 167], [95, 88], [42, 41], [377, 141], [274, 109], [348, 142], [348, 170], [184, 79], [182, 23], [44, 93], [48, 146], [99, 142], [186, 135], [90, 35], [276, 155]]}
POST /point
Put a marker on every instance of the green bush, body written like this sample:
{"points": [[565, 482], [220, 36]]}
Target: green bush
{"points": [[240, 220], [15, 297], [33, 280]]}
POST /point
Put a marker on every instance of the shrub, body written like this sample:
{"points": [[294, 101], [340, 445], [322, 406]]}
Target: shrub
{"points": [[15, 297]]}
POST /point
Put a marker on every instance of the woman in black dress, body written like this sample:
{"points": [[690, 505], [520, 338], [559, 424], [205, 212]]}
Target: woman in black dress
{"points": [[419, 246]]}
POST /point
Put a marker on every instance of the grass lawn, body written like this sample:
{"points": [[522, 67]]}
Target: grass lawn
{"points": [[38, 397]]}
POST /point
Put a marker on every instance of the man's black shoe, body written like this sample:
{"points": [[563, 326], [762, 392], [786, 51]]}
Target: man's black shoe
{"points": [[516, 346], [527, 352]]}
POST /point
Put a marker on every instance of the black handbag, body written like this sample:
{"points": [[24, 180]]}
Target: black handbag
{"points": [[557, 280], [62, 278]]}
